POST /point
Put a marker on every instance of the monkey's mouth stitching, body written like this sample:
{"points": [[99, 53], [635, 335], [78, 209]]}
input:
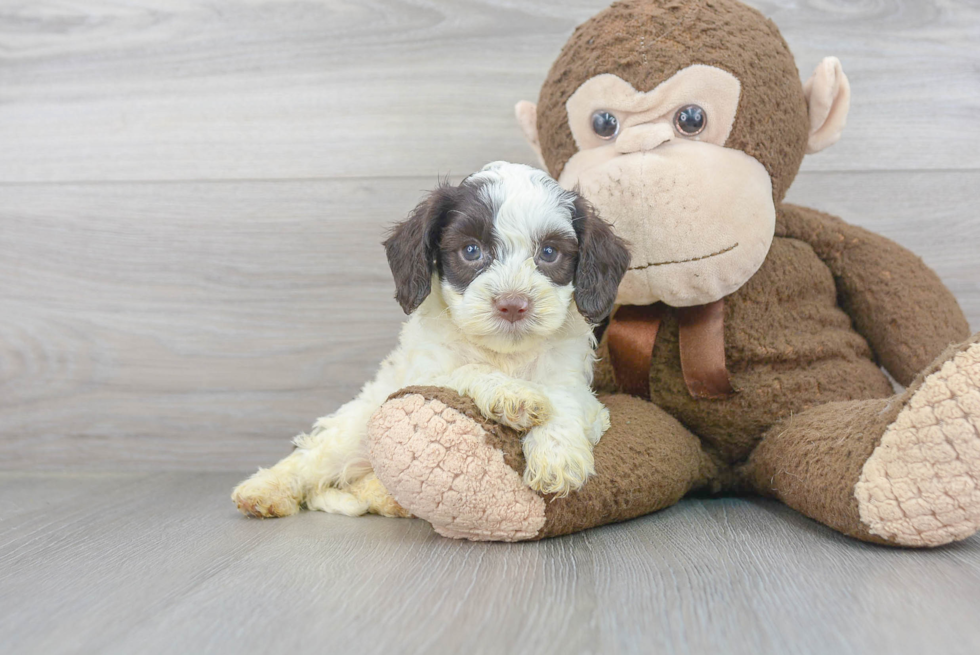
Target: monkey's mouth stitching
{"points": [[684, 261]]}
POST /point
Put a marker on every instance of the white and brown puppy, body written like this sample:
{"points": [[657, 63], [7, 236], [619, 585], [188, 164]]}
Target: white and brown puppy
{"points": [[503, 276]]}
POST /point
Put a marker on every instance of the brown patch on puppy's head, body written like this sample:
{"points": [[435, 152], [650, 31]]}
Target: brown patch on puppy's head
{"points": [[645, 42], [508, 234], [470, 225]]}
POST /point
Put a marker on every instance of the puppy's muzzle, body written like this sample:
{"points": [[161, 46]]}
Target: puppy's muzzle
{"points": [[512, 307]]}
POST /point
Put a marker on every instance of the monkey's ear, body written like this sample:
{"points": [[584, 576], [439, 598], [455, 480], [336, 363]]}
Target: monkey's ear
{"points": [[828, 96], [412, 247], [527, 118], [602, 262]]}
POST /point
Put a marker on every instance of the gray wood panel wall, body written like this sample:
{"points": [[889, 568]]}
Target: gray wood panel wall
{"points": [[192, 194]]}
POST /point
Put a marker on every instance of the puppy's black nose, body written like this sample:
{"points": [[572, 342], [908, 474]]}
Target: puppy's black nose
{"points": [[512, 306]]}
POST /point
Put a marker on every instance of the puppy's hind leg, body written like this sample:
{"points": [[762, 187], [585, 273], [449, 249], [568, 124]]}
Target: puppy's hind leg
{"points": [[332, 453], [364, 496], [271, 492]]}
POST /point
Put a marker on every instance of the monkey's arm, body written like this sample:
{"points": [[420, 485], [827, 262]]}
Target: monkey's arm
{"points": [[896, 302]]}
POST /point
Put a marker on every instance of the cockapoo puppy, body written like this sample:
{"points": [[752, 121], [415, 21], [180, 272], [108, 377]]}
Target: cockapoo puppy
{"points": [[504, 276]]}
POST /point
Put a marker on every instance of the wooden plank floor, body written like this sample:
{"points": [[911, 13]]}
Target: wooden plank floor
{"points": [[162, 563], [192, 195]]}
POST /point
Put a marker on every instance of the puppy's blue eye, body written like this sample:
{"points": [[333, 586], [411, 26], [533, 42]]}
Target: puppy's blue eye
{"points": [[549, 254], [472, 253]]}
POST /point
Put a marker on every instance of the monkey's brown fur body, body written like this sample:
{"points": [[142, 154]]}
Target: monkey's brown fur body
{"points": [[815, 422]]}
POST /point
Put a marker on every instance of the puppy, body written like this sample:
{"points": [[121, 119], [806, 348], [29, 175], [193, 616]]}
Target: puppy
{"points": [[503, 276]]}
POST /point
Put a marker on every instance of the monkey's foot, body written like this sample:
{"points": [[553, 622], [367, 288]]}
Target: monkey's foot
{"points": [[443, 462], [921, 485]]}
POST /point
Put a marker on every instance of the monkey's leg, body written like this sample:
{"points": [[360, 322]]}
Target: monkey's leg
{"points": [[445, 463], [903, 471]]}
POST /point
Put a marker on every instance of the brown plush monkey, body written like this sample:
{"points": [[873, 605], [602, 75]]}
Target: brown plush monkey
{"points": [[750, 332]]}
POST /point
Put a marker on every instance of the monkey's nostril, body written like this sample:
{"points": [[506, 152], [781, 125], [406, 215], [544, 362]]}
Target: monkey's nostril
{"points": [[512, 306]]}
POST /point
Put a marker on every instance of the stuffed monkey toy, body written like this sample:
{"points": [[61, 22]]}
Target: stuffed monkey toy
{"points": [[745, 354]]}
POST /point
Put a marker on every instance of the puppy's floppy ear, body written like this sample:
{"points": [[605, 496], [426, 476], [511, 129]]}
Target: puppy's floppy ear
{"points": [[602, 262], [413, 244]]}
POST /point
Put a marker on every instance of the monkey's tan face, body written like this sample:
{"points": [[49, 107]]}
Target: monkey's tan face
{"points": [[700, 216]]}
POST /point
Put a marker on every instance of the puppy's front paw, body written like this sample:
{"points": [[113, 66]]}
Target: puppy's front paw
{"points": [[518, 405], [557, 463], [265, 495]]}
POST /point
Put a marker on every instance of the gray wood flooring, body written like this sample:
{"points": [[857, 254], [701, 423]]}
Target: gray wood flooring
{"points": [[191, 200], [162, 563]]}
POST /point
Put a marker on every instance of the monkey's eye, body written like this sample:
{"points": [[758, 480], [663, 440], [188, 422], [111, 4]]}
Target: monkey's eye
{"points": [[605, 125], [549, 254], [690, 120], [472, 253]]}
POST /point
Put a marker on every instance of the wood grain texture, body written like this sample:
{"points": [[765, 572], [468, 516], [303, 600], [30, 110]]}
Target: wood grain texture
{"points": [[201, 325], [208, 315], [193, 90], [162, 563]]}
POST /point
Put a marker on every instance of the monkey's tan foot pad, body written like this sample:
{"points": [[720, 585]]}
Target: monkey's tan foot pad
{"points": [[921, 485], [445, 463]]}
